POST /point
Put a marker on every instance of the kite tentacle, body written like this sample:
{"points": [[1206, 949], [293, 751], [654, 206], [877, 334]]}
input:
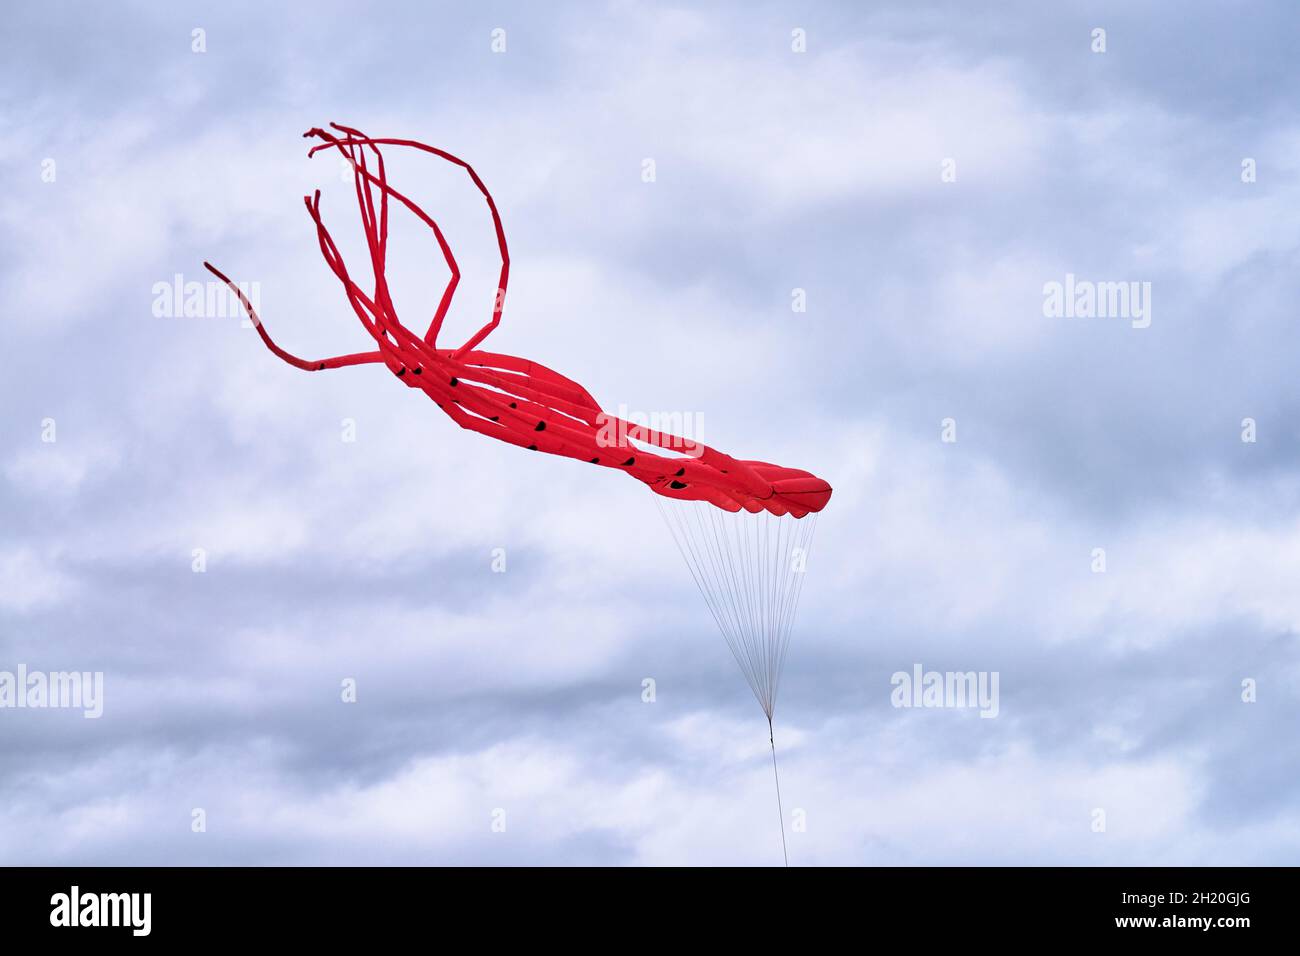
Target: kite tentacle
{"points": [[504, 277], [356, 138], [339, 361]]}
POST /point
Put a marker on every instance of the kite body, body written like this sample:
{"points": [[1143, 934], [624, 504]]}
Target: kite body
{"points": [[513, 399]]}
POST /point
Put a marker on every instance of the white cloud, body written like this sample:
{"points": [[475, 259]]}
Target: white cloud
{"points": [[30, 580]]}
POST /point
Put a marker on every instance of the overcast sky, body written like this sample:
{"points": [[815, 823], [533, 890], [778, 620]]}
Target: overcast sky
{"points": [[922, 171]]}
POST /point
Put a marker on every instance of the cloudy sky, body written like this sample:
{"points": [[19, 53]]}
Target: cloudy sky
{"points": [[922, 171]]}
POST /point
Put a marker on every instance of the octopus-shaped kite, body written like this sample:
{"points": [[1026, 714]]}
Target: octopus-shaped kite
{"points": [[513, 399]]}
